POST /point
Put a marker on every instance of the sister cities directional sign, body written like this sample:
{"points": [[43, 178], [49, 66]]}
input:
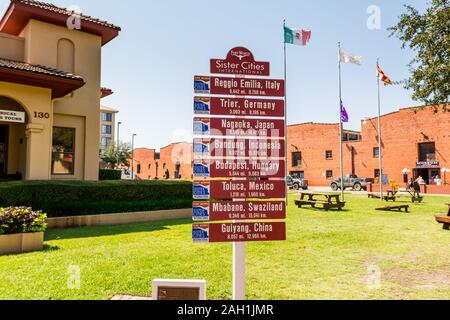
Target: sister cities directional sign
{"points": [[228, 145]]}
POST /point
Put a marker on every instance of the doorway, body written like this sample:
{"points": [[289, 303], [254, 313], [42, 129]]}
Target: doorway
{"points": [[3, 150]]}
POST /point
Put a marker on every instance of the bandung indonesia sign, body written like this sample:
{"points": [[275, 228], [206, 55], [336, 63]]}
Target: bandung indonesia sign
{"points": [[239, 127], [12, 116], [239, 148], [227, 189], [239, 210], [239, 232], [238, 168], [240, 61], [220, 106], [238, 86]]}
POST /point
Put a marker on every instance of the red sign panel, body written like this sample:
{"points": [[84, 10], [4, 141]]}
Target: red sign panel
{"points": [[239, 148], [220, 106], [239, 168], [239, 210], [239, 127], [239, 232], [239, 86], [240, 61], [214, 189]]}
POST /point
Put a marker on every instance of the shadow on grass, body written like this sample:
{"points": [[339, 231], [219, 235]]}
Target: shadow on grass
{"points": [[49, 248], [103, 231]]}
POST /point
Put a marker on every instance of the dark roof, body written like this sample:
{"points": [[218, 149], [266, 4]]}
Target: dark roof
{"points": [[61, 83], [52, 7], [11, 64], [20, 12]]}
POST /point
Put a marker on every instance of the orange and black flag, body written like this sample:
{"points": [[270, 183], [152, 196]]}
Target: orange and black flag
{"points": [[385, 79]]}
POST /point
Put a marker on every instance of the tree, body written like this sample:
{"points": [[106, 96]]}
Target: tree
{"points": [[116, 155], [428, 35]]}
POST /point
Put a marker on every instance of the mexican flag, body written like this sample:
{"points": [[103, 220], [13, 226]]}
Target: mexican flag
{"points": [[296, 36]]}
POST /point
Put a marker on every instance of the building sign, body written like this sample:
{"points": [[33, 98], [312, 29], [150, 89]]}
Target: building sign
{"points": [[239, 168], [239, 148], [12, 116], [239, 127], [238, 86], [428, 164], [228, 189], [240, 61], [220, 106], [239, 232], [239, 210]]}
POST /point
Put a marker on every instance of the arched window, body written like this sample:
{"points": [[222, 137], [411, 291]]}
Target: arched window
{"points": [[66, 56]]}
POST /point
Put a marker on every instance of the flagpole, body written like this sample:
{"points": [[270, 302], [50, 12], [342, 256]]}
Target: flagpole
{"points": [[340, 126], [285, 110], [380, 152]]}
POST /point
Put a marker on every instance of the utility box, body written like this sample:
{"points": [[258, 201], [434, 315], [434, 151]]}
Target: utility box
{"points": [[165, 289]]}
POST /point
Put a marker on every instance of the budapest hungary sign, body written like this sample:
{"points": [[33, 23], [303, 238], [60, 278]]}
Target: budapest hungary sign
{"points": [[238, 141]]}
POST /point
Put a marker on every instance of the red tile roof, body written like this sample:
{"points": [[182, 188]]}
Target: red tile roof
{"points": [[11, 64], [53, 8], [20, 12]]}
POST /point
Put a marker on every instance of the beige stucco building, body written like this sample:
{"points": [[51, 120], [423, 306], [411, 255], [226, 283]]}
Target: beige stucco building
{"points": [[50, 91]]}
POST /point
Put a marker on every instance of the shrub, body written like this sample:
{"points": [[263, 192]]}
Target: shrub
{"points": [[106, 174], [68, 198], [21, 220]]}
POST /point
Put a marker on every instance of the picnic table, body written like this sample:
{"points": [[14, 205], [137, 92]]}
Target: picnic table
{"points": [[326, 200], [444, 219], [390, 195]]}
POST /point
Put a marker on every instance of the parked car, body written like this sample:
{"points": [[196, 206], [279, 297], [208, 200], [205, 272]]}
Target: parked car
{"points": [[296, 183], [354, 183]]}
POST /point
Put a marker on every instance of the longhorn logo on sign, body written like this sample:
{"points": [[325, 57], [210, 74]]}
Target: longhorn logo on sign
{"points": [[240, 61]]}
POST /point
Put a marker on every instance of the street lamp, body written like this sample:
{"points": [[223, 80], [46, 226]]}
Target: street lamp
{"points": [[132, 155], [118, 132]]}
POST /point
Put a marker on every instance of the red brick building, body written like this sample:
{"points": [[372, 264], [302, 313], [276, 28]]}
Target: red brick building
{"points": [[415, 139], [175, 158]]}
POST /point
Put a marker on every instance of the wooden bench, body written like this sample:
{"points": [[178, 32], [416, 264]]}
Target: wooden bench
{"points": [[444, 220], [416, 199], [326, 205], [386, 197], [394, 208]]}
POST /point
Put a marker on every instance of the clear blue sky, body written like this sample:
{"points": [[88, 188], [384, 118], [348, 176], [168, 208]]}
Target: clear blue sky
{"points": [[164, 43]]}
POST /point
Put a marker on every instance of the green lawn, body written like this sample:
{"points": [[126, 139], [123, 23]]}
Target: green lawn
{"points": [[328, 255]]}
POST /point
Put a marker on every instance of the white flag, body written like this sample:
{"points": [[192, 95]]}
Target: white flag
{"points": [[349, 58]]}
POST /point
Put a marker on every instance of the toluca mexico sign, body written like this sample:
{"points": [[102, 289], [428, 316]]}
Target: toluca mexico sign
{"points": [[240, 61], [239, 127], [238, 86], [238, 210], [239, 232], [220, 106], [12, 116], [239, 168], [227, 189], [239, 148]]}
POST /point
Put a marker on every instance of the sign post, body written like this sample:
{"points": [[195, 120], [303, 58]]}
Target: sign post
{"points": [[239, 154]]}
